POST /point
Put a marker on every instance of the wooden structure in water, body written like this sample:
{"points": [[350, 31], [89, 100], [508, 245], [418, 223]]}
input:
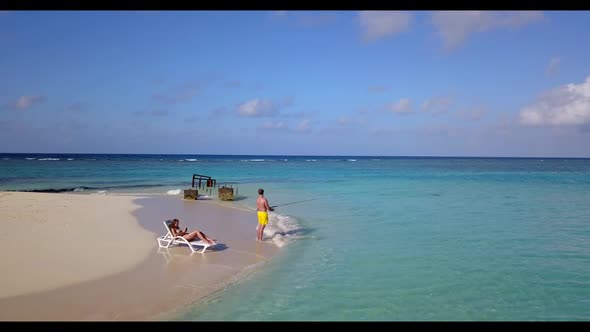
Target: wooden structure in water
{"points": [[191, 194], [225, 193], [207, 181], [204, 182]]}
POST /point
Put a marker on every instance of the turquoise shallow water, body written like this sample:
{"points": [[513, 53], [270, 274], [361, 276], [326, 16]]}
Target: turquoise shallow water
{"points": [[379, 238]]}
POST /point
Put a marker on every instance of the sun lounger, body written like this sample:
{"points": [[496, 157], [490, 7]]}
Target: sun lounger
{"points": [[169, 239]]}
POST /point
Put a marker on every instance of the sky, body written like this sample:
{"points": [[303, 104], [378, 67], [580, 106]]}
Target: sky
{"points": [[352, 83]]}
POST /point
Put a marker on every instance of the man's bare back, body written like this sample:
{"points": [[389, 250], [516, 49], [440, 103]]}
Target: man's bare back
{"points": [[262, 204]]}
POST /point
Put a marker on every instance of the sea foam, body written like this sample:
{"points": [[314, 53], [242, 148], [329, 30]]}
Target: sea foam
{"points": [[281, 229], [174, 192]]}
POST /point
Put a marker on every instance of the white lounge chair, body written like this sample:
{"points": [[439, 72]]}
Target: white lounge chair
{"points": [[169, 239]]}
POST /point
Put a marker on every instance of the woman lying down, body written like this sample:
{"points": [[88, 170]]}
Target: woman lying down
{"points": [[189, 236]]}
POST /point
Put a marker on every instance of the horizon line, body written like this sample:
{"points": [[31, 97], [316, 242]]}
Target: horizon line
{"points": [[298, 155]]}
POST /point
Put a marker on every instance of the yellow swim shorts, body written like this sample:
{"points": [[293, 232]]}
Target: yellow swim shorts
{"points": [[262, 217]]}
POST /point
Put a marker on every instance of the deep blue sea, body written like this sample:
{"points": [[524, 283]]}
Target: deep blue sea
{"points": [[376, 238]]}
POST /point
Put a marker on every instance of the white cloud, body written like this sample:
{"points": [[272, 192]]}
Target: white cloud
{"points": [[186, 93], [257, 108], [218, 112], [158, 81], [304, 19], [473, 113], [380, 24], [316, 20], [274, 125], [78, 107], [288, 101], [26, 102], [278, 13], [553, 67], [454, 27], [159, 113], [344, 120], [347, 121], [303, 126], [299, 114], [378, 88], [233, 84], [565, 105], [437, 105], [182, 93], [192, 119], [403, 105]]}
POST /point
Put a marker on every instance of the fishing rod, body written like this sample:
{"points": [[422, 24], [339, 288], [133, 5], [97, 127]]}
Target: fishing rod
{"points": [[313, 199], [305, 200]]}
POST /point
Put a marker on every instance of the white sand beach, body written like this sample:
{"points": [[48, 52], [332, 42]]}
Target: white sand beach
{"points": [[53, 240], [95, 257]]}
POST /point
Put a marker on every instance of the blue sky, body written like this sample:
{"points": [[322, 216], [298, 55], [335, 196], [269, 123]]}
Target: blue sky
{"points": [[297, 82]]}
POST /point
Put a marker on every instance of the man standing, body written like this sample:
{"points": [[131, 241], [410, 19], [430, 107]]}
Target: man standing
{"points": [[262, 208]]}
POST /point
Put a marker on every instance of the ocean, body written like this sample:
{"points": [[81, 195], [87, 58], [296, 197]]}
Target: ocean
{"points": [[375, 238]]}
